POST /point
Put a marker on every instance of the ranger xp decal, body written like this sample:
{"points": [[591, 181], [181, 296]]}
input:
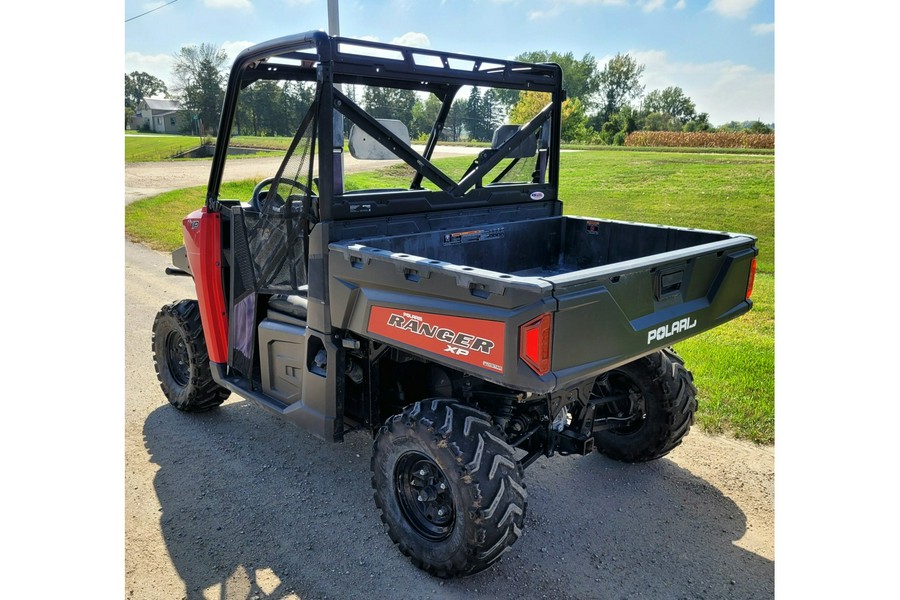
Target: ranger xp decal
{"points": [[473, 341], [665, 331]]}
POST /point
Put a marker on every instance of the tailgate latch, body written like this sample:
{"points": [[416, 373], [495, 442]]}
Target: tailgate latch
{"points": [[667, 283]]}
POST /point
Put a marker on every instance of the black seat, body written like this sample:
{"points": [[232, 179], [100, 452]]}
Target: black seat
{"points": [[292, 305]]}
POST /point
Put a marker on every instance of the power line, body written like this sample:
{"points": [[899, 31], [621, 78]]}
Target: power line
{"points": [[150, 11]]}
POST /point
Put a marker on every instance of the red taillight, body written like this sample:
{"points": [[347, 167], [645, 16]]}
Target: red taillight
{"points": [[752, 278], [534, 343]]}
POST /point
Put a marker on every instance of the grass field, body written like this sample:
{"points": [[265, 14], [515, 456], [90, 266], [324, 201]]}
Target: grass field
{"points": [[147, 148], [734, 364]]}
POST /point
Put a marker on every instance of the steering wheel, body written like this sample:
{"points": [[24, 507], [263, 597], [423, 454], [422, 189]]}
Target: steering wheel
{"points": [[267, 182]]}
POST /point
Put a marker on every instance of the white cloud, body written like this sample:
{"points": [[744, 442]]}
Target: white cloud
{"points": [[557, 8], [728, 92], [236, 4], [400, 6], [680, 5], [544, 14], [298, 2], [732, 8], [651, 5], [158, 65], [763, 28], [414, 39], [232, 49], [154, 5]]}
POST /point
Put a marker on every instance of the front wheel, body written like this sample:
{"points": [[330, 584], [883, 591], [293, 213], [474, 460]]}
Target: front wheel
{"points": [[657, 401], [449, 487], [182, 360]]}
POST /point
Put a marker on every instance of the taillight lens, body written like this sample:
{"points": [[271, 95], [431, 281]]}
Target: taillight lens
{"points": [[534, 343], [752, 278]]}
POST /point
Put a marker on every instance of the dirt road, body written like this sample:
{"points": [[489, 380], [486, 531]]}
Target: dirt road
{"points": [[151, 178], [237, 504]]}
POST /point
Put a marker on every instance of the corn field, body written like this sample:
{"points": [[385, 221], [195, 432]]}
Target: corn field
{"points": [[700, 139]]}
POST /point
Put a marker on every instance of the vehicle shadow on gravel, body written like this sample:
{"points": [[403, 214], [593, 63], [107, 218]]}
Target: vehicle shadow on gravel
{"points": [[254, 508]]}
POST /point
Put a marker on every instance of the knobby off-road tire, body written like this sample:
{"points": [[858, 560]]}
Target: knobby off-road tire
{"points": [[182, 360], [451, 492], [663, 390]]}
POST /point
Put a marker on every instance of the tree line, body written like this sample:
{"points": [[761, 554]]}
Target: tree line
{"points": [[603, 105]]}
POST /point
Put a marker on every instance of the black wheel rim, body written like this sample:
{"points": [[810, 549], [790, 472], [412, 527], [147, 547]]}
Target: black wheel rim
{"points": [[617, 383], [424, 496], [177, 358]]}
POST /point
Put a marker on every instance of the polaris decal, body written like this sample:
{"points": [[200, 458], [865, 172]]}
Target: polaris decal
{"points": [[474, 341], [665, 331]]}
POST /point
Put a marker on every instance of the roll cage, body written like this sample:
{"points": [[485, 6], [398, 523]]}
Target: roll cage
{"points": [[331, 62]]}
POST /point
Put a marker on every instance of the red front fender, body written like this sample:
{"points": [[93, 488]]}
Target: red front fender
{"points": [[203, 242]]}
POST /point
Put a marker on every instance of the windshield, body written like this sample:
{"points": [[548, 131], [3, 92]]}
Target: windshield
{"points": [[396, 139]]}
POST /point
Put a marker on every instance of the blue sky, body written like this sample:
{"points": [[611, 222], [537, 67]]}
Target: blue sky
{"points": [[720, 52]]}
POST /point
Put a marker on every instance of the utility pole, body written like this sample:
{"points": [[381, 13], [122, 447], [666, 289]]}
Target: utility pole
{"points": [[334, 27]]}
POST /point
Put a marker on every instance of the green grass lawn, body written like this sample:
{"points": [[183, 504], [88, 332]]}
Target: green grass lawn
{"points": [[734, 364], [146, 148]]}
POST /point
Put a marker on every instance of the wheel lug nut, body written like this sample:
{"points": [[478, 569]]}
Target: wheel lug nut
{"points": [[422, 472], [443, 486]]}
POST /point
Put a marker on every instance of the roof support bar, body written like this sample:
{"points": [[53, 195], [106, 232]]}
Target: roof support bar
{"points": [[483, 167]]}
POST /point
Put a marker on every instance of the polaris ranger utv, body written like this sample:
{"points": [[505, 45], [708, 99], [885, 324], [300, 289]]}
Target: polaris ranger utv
{"points": [[459, 317]]}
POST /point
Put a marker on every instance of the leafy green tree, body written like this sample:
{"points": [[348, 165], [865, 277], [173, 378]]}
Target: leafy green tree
{"points": [[619, 125], [473, 115], [455, 123], [490, 116], [482, 114], [731, 126], [390, 103], [424, 115], [581, 78], [659, 121], [529, 104], [271, 108], [574, 122], [698, 123], [748, 126], [671, 102], [759, 127], [129, 115], [199, 79], [574, 126], [140, 85], [619, 84]]}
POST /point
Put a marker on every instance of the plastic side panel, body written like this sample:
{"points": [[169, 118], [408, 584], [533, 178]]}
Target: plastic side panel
{"points": [[477, 342], [203, 242]]}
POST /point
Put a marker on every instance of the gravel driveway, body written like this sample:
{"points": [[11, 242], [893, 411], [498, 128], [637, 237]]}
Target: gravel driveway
{"points": [[238, 504]]}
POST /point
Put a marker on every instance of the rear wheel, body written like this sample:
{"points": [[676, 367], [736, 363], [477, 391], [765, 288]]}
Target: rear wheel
{"points": [[658, 392], [182, 360], [450, 490]]}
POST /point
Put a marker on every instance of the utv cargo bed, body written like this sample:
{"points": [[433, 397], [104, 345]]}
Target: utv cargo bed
{"points": [[617, 291]]}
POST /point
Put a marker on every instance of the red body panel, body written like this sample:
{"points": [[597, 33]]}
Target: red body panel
{"points": [[203, 242], [474, 341]]}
